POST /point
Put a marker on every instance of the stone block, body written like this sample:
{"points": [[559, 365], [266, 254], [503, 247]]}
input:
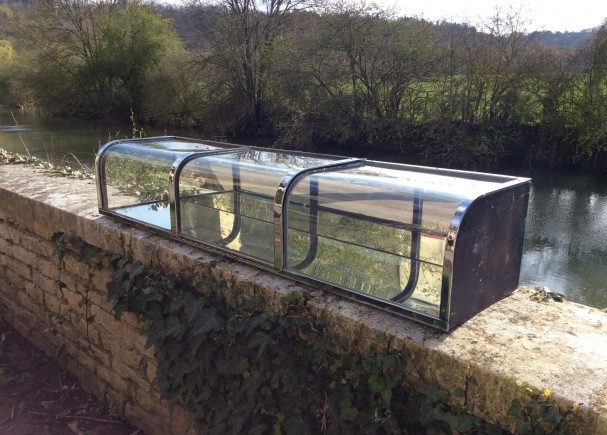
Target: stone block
{"points": [[152, 422], [115, 380], [116, 400], [21, 268], [48, 267], [125, 354], [13, 279], [34, 292], [42, 229], [110, 325], [39, 245], [74, 266], [29, 304], [149, 400], [85, 377], [134, 375], [73, 283], [5, 244], [43, 282], [100, 301], [24, 255]]}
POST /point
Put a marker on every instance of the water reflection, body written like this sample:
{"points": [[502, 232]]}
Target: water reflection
{"points": [[566, 236], [65, 139]]}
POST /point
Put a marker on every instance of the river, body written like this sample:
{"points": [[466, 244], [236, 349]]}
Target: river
{"points": [[566, 230]]}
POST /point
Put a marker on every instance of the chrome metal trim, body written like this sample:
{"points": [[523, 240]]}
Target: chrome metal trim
{"points": [[448, 257], [100, 174], [414, 261], [282, 195]]}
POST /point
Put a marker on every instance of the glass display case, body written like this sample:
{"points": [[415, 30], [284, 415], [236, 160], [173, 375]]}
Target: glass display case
{"points": [[431, 244]]}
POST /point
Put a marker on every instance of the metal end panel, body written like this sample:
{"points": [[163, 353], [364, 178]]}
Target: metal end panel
{"points": [[486, 258]]}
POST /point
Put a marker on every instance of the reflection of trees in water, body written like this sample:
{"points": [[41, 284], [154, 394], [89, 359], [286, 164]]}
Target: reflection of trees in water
{"points": [[566, 235]]}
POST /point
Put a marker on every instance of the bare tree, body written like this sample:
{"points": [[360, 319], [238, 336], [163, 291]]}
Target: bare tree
{"points": [[241, 38], [373, 66]]}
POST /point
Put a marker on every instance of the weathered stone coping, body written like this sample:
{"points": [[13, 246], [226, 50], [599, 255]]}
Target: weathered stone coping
{"points": [[559, 346]]}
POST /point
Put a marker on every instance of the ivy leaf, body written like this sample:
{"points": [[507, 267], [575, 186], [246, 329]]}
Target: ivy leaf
{"points": [[386, 394], [119, 310], [260, 341], [87, 252], [206, 321], [459, 423], [134, 271], [347, 411], [552, 415], [154, 337], [388, 363], [174, 327], [194, 307], [436, 395], [377, 383]]}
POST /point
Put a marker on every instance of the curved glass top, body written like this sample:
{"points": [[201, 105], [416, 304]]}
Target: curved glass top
{"points": [[386, 192]]}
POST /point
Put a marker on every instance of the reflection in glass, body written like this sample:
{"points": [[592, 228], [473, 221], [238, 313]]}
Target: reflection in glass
{"points": [[137, 176], [367, 230], [228, 200]]}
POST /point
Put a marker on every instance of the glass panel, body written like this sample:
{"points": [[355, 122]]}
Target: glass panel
{"points": [[375, 230], [137, 177], [228, 199]]}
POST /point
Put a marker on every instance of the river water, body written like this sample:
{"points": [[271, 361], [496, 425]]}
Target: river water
{"points": [[566, 229]]}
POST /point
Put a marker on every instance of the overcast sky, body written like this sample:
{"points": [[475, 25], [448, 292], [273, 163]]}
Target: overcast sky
{"points": [[554, 15]]}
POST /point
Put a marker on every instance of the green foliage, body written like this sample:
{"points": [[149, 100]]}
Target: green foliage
{"points": [[438, 418], [10, 158], [538, 414], [235, 368], [238, 368], [94, 56]]}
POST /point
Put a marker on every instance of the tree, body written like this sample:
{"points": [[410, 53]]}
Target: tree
{"points": [[241, 39], [592, 103], [369, 70], [94, 56]]}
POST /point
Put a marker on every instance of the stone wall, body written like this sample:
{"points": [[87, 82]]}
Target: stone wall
{"points": [[562, 347]]}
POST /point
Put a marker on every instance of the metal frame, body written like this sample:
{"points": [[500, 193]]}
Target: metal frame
{"points": [[280, 220]]}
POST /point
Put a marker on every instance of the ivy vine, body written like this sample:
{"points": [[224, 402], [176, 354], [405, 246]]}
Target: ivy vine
{"points": [[237, 368]]}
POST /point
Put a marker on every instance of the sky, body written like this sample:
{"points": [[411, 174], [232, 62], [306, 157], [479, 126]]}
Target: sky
{"points": [[553, 15]]}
